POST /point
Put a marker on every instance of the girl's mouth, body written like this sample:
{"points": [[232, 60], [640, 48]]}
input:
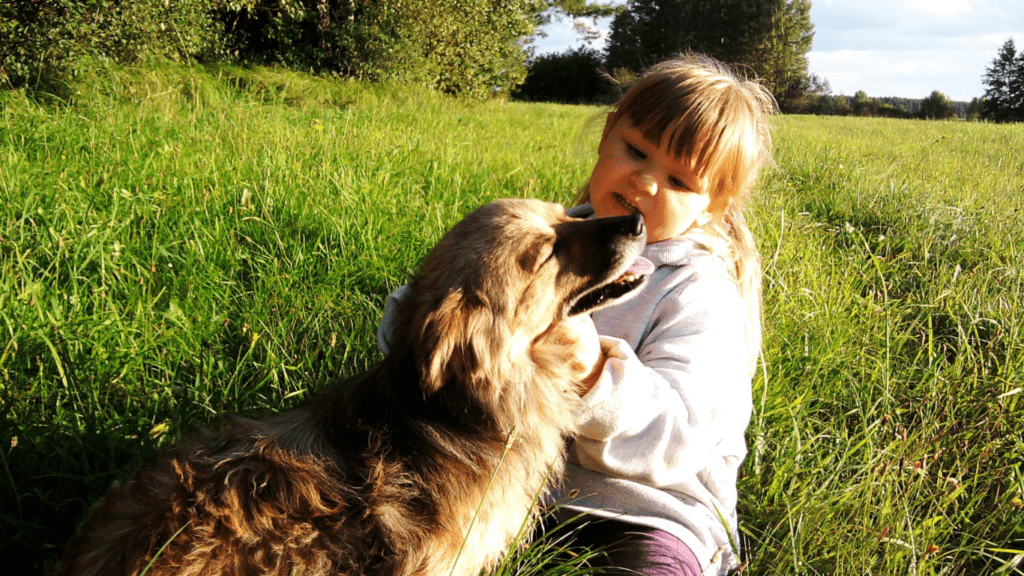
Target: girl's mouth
{"points": [[625, 204]]}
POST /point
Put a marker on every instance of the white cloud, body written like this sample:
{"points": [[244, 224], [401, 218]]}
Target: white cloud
{"points": [[909, 48], [945, 7], [909, 73]]}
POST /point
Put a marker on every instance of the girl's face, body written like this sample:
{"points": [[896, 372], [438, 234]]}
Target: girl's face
{"points": [[633, 175]]}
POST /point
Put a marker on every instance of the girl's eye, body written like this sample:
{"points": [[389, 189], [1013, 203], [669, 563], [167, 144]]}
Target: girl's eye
{"points": [[636, 152], [677, 183]]}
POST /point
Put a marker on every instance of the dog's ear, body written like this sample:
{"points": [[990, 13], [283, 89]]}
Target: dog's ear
{"points": [[442, 352]]}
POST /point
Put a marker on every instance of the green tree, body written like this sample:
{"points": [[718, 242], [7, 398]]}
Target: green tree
{"points": [[779, 58], [45, 42], [649, 31], [841, 105], [818, 85], [863, 105], [570, 77], [547, 10], [770, 37], [468, 47], [936, 107], [974, 109], [1004, 80], [579, 11]]}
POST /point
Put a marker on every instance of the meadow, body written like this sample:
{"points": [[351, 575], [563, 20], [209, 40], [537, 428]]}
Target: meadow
{"points": [[180, 242]]}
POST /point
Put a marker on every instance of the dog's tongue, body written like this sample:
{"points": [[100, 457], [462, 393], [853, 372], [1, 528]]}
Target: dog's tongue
{"points": [[641, 267]]}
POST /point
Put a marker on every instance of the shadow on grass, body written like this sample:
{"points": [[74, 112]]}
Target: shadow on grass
{"points": [[53, 468], [52, 478]]}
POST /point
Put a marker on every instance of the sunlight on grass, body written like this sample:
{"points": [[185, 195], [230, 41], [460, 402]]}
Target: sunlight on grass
{"points": [[893, 296]]}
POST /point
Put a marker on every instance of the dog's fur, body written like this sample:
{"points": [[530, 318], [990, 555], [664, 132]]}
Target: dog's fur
{"points": [[384, 473]]}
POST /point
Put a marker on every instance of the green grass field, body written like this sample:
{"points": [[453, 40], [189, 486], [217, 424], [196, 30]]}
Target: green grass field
{"points": [[179, 242]]}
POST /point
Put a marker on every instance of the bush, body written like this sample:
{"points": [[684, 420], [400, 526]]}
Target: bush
{"points": [[570, 77], [48, 40], [890, 111]]}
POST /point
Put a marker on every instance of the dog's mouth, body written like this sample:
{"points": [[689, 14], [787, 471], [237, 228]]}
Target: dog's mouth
{"points": [[602, 295]]}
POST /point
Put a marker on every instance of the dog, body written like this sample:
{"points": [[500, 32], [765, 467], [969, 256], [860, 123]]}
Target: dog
{"points": [[430, 463]]}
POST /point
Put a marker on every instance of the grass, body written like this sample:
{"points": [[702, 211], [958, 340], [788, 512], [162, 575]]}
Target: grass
{"points": [[887, 434], [180, 242]]}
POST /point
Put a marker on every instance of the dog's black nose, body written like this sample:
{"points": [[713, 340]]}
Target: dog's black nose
{"points": [[637, 225]]}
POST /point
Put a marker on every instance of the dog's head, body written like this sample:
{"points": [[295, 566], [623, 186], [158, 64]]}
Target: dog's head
{"points": [[502, 281]]}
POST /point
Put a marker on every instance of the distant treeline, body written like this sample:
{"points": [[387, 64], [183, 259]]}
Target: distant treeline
{"points": [[585, 76], [1003, 100], [935, 106]]}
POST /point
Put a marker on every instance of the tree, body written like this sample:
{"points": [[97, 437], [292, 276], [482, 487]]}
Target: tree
{"points": [[468, 47], [936, 107], [841, 105], [579, 11], [1004, 79], [770, 37], [43, 43], [818, 85], [548, 10], [780, 58], [863, 105], [570, 77], [974, 109], [649, 31]]}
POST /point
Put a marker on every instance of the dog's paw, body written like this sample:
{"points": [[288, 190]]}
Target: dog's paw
{"points": [[585, 347], [574, 343]]}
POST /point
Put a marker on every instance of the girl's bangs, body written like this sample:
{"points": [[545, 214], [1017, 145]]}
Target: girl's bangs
{"points": [[706, 131]]}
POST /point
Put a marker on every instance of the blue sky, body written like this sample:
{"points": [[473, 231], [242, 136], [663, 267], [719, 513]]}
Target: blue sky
{"points": [[893, 47]]}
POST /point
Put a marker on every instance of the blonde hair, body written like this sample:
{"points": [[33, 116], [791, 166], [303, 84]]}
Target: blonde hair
{"points": [[701, 111]]}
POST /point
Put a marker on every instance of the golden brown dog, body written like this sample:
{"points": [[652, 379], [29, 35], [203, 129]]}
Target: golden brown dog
{"points": [[426, 464]]}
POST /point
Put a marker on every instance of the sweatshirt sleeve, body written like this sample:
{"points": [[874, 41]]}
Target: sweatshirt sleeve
{"points": [[661, 414], [386, 329]]}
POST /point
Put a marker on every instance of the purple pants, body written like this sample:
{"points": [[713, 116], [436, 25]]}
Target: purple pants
{"points": [[632, 549]]}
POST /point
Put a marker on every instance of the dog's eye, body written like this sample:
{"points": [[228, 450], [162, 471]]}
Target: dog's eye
{"points": [[537, 255], [547, 253], [556, 248]]}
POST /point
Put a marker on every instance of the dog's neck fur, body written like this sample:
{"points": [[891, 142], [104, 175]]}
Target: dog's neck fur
{"points": [[437, 448]]}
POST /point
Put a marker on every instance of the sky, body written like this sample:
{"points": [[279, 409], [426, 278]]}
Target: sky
{"points": [[906, 48]]}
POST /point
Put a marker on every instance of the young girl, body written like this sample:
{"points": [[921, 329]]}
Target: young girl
{"points": [[653, 470], [662, 435]]}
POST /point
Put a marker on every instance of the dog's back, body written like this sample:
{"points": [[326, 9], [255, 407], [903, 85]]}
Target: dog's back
{"points": [[327, 488], [258, 497]]}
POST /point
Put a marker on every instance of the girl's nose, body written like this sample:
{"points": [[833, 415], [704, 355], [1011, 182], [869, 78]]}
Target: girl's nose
{"points": [[646, 183]]}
